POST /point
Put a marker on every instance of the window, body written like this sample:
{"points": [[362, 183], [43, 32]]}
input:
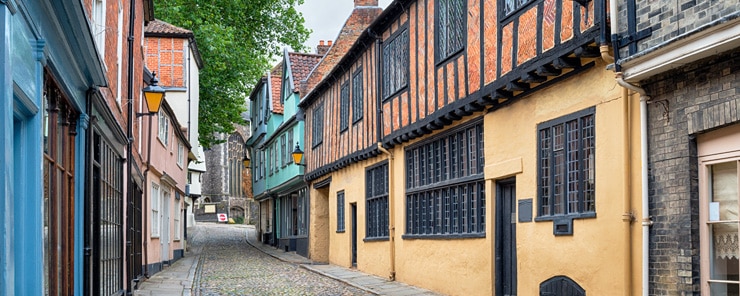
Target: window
{"points": [[510, 6], [284, 150], [164, 126], [450, 28], [357, 100], [317, 128], [395, 63], [445, 189], [719, 192], [376, 203], [177, 217], [566, 166], [155, 209], [293, 214], [344, 107], [340, 211], [289, 150], [98, 25], [180, 154]]}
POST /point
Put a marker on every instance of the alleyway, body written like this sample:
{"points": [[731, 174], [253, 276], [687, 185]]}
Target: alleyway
{"points": [[230, 266]]}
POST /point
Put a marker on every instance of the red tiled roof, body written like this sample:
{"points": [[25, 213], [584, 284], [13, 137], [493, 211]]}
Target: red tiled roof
{"points": [[276, 78], [360, 19], [163, 28], [301, 64]]}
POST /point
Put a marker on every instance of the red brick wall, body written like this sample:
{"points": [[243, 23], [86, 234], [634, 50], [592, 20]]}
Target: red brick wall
{"points": [[166, 57]]}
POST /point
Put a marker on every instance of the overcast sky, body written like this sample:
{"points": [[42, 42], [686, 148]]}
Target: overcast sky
{"points": [[326, 17]]}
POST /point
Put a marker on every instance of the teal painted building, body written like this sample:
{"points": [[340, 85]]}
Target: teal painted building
{"points": [[277, 128]]}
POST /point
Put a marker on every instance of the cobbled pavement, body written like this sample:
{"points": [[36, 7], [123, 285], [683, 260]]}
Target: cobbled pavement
{"points": [[230, 266]]}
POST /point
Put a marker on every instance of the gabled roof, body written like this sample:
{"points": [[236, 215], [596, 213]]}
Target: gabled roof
{"points": [[276, 78], [301, 64], [347, 41], [159, 28]]}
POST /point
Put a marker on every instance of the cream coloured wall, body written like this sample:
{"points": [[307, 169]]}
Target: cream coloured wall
{"points": [[596, 256]]}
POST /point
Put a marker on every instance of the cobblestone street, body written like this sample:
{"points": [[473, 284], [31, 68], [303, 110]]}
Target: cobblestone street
{"points": [[230, 266]]}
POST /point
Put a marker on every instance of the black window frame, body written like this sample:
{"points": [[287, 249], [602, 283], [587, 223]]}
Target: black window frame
{"points": [[344, 107], [518, 5], [317, 129], [583, 206], [450, 26], [395, 56], [357, 96], [445, 185], [340, 212], [376, 202]]}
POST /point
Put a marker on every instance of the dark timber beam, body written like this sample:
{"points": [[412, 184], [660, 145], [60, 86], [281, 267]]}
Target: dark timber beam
{"points": [[566, 62], [548, 70]]}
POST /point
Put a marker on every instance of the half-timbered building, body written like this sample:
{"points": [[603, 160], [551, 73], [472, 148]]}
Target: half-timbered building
{"points": [[476, 148]]}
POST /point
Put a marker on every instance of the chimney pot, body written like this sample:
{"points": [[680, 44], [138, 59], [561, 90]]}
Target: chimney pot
{"points": [[329, 43], [366, 3], [321, 42]]}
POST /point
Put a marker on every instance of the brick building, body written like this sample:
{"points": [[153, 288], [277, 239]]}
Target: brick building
{"points": [[681, 60]]}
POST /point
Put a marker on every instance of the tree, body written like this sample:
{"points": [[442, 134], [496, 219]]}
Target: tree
{"points": [[237, 41]]}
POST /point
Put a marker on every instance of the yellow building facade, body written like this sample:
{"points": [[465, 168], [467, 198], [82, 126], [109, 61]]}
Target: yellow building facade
{"points": [[487, 170]]}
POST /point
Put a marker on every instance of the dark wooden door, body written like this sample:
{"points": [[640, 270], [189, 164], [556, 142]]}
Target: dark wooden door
{"points": [[506, 238], [354, 233]]}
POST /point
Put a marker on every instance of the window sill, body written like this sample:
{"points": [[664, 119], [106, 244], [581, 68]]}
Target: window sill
{"points": [[340, 231], [443, 236], [569, 216], [376, 239]]}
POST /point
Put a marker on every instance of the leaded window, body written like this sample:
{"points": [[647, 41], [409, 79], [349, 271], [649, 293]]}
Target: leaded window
{"points": [[289, 146], [450, 28], [344, 107], [510, 6], [376, 201], [445, 189], [317, 128], [566, 165], [395, 63], [340, 211], [357, 99]]}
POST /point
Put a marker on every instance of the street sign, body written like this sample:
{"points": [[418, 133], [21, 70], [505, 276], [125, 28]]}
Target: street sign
{"points": [[222, 217]]}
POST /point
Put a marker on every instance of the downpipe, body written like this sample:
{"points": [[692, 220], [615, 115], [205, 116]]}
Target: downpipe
{"points": [[391, 217], [646, 219]]}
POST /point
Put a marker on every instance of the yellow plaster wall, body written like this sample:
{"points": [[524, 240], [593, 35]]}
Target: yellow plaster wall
{"points": [[319, 228], [595, 255]]}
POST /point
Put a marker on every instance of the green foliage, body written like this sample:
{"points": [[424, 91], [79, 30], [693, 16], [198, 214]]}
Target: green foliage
{"points": [[237, 41], [239, 220]]}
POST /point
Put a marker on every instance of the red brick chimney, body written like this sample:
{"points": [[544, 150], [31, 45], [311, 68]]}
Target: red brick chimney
{"points": [[366, 3], [322, 48]]}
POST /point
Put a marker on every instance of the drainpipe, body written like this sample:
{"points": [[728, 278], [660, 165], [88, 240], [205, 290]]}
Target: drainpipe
{"points": [[627, 216], [146, 196], [646, 220], [391, 217], [130, 110]]}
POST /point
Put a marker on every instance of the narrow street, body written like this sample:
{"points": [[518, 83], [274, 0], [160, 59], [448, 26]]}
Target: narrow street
{"points": [[230, 266]]}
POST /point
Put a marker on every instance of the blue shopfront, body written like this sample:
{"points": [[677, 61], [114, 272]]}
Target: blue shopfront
{"points": [[48, 65]]}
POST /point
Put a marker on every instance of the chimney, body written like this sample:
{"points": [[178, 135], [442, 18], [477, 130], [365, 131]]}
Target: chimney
{"points": [[366, 3], [323, 49]]}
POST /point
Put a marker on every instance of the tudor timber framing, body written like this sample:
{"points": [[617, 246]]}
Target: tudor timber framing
{"points": [[438, 94]]}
